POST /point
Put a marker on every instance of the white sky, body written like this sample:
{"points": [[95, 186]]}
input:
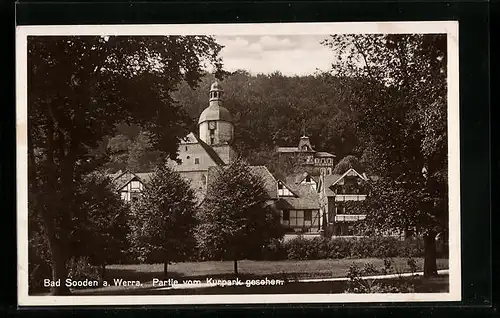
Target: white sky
{"points": [[289, 54]]}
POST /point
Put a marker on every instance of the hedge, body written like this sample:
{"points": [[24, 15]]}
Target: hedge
{"points": [[336, 248]]}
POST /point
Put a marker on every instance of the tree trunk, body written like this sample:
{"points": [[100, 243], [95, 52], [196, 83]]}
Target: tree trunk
{"points": [[58, 256], [59, 270], [235, 266], [165, 269], [430, 253], [102, 272]]}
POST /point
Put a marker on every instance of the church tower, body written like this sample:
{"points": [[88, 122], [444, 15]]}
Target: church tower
{"points": [[215, 125]]}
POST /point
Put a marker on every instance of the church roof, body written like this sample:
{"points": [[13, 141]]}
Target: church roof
{"points": [[270, 183], [215, 112], [209, 150]]}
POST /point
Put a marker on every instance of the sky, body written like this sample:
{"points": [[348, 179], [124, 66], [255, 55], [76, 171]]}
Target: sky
{"points": [[289, 54]]}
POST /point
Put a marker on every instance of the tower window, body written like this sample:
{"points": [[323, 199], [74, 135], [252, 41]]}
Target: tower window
{"points": [[196, 161], [211, 139], [186, 148]]}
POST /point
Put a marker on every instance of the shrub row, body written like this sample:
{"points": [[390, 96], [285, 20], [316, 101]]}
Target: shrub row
{"points": [[323, 248]]}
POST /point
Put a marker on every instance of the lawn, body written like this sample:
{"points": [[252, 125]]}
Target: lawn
{"points": [[271, 269]]}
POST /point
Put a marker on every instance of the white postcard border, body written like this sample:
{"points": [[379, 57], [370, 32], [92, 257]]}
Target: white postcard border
{"points": [[420, 27]]}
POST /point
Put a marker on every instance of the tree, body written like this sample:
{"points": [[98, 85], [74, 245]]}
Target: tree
{"points": [[237, 220], [100, 225], [402, 124], [133, 153], [347, 163], [79, 88], [163, 220]]}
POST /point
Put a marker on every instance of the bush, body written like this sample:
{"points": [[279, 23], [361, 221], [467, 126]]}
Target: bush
{"points": [[38, 261], [301, 248], [339, 248], [275, 251], [358, 283], [80, 268]]}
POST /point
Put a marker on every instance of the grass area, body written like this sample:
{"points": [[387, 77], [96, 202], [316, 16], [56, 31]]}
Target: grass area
{"points": [[248, 269]]}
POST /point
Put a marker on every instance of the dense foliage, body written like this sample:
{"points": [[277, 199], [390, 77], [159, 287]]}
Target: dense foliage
{"points": [[98, 233], [79, 88], [236, 220], [162, 222], [402, 124], [348, 162], [337, 248], [275, 110]]}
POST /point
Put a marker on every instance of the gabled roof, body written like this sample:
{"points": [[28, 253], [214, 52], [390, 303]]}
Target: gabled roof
{"points": [[331, 180], [270, 183], [124, 178], [346, 173], [287, 187], [189, 139], [297, 178], [145, 176], [306, 198]]}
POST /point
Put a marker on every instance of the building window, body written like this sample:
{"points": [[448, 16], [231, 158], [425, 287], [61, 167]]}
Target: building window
{"points": [[124, 195], [297, 218], [308, 215], [286, 215], [329, 171], [211, 140], [308, 179], [196, 161], [280, 186], [135, 185], [188, 157]]}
